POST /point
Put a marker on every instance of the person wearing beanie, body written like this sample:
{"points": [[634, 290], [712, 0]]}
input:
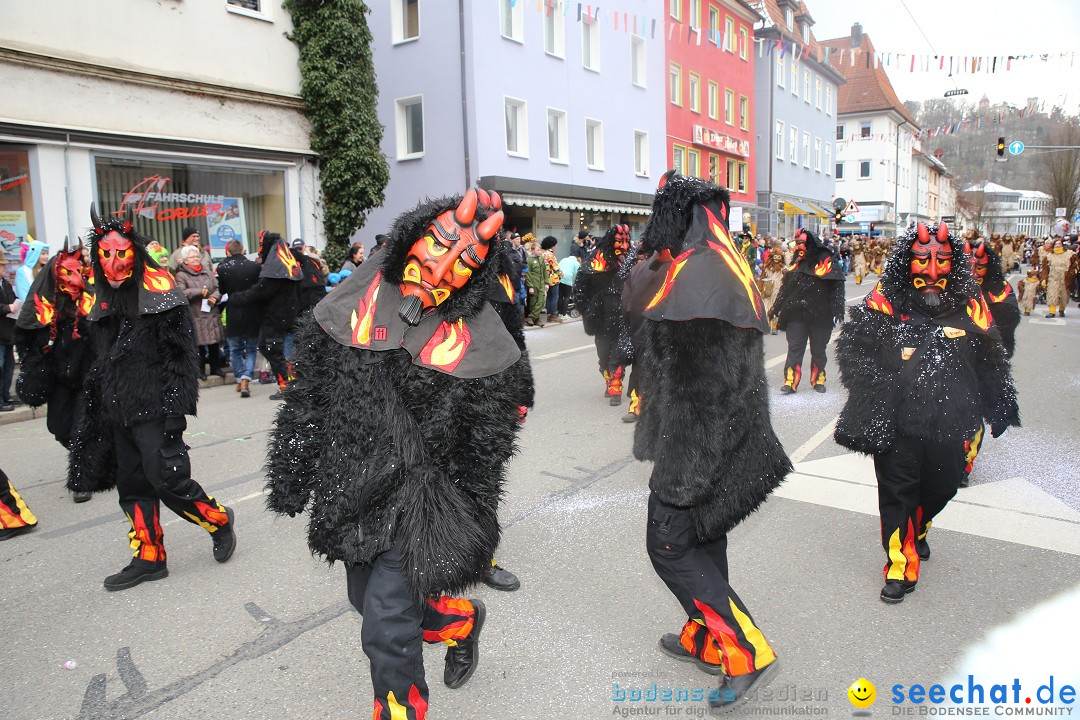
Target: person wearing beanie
{"points": [[189, 236], [547, 246]]}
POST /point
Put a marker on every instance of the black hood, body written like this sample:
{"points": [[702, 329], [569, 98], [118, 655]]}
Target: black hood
{"points": [[672, 212]]}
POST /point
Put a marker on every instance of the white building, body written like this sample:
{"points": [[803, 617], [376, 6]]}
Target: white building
{"points": [[186, 112], [1004, 210]]}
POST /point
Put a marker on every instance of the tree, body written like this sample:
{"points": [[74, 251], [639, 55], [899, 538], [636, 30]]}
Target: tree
{"points": [[1060, 170], [337, 83], [975, 207]]}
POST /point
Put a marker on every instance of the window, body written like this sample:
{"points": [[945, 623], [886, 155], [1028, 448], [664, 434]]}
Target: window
{"points": [[839, 132], [744, 112], [840, 170], [779, 142], [675, 84], [795, 77], [637, 61], [828, 100], [405, 20], [729, 107], [806, 85], [828, 158], [695, 14], [805, 32], [781, 70], [793, 144], [817, 92], [554, 33], [744, 43], [864, 129], [806, 149], [675, 9], [714, 100], [517, 127], [17, 202], [864, 168], [743, 168], [590, 46], [695, 93], [731, 177], [594, 144], [511, 20], [641, 153], [255, 7], [678, 158], [714, 25], [714, 168], [789, 18], [729, 35], [817, 154], [693, 163], [410, 127], [558, 143]]}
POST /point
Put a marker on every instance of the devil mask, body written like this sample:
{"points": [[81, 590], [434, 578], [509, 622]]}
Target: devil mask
{"points": [[980, 260], [69, 273], [442, 260], [931, 262], [622, 240]]}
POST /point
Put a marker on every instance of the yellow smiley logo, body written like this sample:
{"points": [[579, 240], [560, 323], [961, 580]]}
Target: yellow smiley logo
{"points": [[862, 693]]}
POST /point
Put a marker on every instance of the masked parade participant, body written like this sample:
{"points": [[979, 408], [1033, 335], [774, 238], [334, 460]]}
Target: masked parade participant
{"points": [[772, 278], [859, 252], [395, 435], [1027, 290], [598, 296], [142, 381], [51, 336], [705, 425], [810, 302], [1059, 268], [923, 364]]}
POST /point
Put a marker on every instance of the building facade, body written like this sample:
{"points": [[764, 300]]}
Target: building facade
{"points": [[552, 108], [795, 121], [992, 208], [119, 109], [710, 95]]}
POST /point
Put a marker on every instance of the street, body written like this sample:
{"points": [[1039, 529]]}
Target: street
{"points": [[270, 634]]}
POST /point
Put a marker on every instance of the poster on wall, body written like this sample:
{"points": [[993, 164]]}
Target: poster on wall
{"points": [[735, 220], [227, 224], [13, 231]]}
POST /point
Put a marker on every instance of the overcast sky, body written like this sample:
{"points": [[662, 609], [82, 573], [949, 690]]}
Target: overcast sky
{"points": [[960, 27]]}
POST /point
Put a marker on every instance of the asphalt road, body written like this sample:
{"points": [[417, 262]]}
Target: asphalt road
{"points": [[270, 634]]}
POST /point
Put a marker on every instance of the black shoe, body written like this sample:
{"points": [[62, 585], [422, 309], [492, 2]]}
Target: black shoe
{"points": [[134, 574], [220, 373], [225, 538], [276, 396], [774, 332], [1027, 313], [12, 532], [614, 400], [923, 548], [965, 480], [787, 390], [500, 578], [670, 646], [1061, 312], [895, 590], [820, 387], [462, 659], [630, 417], [738, 689], [81, 496], [7, 407], [1050, 315]]}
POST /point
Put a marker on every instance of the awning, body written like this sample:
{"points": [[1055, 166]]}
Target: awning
{"points": [[818, 211], [791, 208], [558, 203]]}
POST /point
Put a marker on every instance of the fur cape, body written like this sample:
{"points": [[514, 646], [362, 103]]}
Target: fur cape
{"points": [[598, 294], [1002, 301], [501, 297], [955, 374], [807, 296], [382, 451], [705, 404]]}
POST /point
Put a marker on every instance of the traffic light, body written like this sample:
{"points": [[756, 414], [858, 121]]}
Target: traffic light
{"points": [[838, 216], [1001, 147]]}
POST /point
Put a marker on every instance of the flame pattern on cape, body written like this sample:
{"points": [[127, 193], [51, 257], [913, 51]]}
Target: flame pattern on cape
{"points": [[1001, 297], [979, 313], [736, 262], [289, 260], [157, 280], [504, 280], [447, 346], [43, 309], [364, 315], [598, 263], [824, 267], [876, 300], [669, 279], [86, 303]]}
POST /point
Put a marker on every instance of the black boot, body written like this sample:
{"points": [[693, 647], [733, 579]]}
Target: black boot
{"points": [[738, 689], [500, 578], [895, 590], [462, 658], [12, 532], [135, 573], [81, 496], [670, 646], [225, 538], [923, 548]]}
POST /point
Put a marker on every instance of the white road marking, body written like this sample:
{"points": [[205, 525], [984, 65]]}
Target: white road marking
{"points": [[816, 439], [563, 352]]}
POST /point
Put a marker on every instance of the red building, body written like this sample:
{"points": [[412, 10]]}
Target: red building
{"points": [[710, 111]]}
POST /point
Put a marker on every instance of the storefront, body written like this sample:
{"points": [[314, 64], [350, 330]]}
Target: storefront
{"points": [[17, 215], [562, 218]]}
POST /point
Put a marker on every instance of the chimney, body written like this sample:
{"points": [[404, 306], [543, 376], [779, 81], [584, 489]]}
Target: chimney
{"points": [[856, 36]]}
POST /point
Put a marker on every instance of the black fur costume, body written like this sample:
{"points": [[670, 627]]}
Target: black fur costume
{"points": [[381, 449], [501, 297], [598, 296], [1001, 300]]}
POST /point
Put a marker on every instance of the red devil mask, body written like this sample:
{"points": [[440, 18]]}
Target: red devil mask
{"points": [[622, 240], [445, 257], [117, 257], [931, 261], [69, 274], [980, 260]]}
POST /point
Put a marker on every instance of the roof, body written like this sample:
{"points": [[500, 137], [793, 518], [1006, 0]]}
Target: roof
{"points": [[774, 18], [990, 187], [867, 88]]}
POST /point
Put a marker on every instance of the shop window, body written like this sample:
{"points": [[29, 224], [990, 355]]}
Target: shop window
{"points": [[16, 204], [222, 202]]}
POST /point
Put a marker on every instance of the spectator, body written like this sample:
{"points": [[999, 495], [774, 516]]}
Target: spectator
{"points": [[312, 282], [356, 256], [553, 279], [9, 306], [578, 249], [569, 267], [37, 256], [536, 275], [189, 236], [519, 259], [201, 290], [380, 243], [313, 252], [159, 254], [236, 274]]}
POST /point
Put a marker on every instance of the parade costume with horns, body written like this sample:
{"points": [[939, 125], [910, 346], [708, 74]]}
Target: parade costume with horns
{"points": [[923, 364], [704, 424], [142, 382], [394, 438], [598, 295], [810, 302]]}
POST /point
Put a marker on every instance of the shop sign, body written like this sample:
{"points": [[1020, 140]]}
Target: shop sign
{"points": [[146, 196], [710, 138]]}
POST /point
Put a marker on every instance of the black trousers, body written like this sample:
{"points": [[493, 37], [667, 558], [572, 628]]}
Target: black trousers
{"points": [[272, 346], [64, 409], [719, 629], [564, 298], [916, 480], [7, 372], [152, 468], [394, 630], [211, 355], [798, 332]]}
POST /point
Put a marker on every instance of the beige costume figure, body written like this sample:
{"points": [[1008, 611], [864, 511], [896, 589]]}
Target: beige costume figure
{"points": [[772, 276], [858, 261], [1058, 274], [1008, 254], [1027, 290]]}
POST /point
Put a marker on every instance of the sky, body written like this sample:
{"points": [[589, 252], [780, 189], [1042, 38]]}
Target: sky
{"points": [[962, 27]]}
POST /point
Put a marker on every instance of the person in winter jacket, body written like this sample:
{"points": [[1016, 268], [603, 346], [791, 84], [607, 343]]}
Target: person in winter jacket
{"points": [[235, 274], [199, 286], [37, 254]]}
